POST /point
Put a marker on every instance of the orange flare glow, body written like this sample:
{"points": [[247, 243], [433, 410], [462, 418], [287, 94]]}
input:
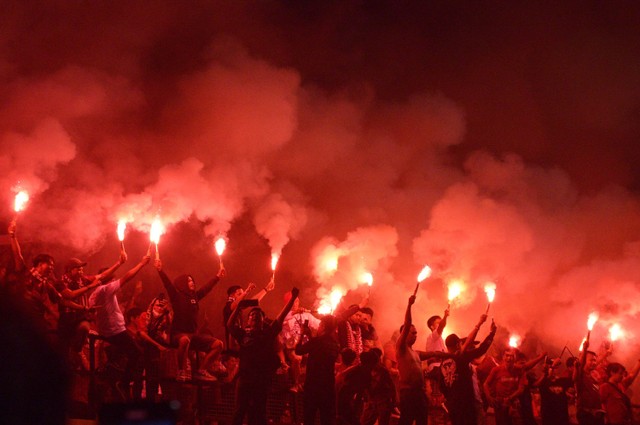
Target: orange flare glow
{"points": [[220, 245], [122, 226], [514, 341], [591, 321], [328, 306], [367, 278], [156, 231], [455, 289], [274, 261], [331, 264], [490, 290], [424, 273], [22, 197], [615, 332]]}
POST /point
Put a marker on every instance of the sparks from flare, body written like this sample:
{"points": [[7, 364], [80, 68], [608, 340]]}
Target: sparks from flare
{"points": [[424, 274]]}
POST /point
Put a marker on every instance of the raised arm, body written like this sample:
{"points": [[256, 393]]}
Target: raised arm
{"points": [[106, 275], [474, 353], [472, 335], [236, 302], [69, 294], [213, 282], [626, 382], [287, 308], [166, 282], [268, 288], [401, 344], [531, 363], [443, 322], [15, 247], [134, 271]]}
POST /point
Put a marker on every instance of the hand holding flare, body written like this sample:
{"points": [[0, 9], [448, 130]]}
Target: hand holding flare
{"points": [[424, 273]]}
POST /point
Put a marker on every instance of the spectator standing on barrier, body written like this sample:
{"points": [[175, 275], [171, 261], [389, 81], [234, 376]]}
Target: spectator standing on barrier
{"points": [[185, 300], [110, 323], [258, 361], [319, 384], [235, 294]]}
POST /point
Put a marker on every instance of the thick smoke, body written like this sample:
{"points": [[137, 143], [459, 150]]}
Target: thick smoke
{"points": [[382, 137]]}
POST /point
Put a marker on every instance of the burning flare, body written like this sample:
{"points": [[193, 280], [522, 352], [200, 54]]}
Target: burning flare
{"points": [[22, 197], [156, 231], [490, 290], [328, 306], [615, 332], [591, 321], [331, 264], [367, 278], [220, 245], [274, 261], [582, 344], [514, 341], [122, 226], [424, 273], [455, 289]]}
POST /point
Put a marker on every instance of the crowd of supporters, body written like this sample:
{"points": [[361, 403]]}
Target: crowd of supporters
{"points": [[337, 363]]}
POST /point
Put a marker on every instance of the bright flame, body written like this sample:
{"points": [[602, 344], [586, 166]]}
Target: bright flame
{"points": [[274, 261], [220, 245], [615, 332], [367, 278], [332, 264], [424, 273], [582, 344], [20, 201], [327, 306], [593, 318], [514, 341], [156, 231], [490, 290], [122, 226], [455, 289]]}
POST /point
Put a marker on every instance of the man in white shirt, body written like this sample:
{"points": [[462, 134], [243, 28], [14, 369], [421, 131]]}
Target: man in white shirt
{"points": [[111, 324]]}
